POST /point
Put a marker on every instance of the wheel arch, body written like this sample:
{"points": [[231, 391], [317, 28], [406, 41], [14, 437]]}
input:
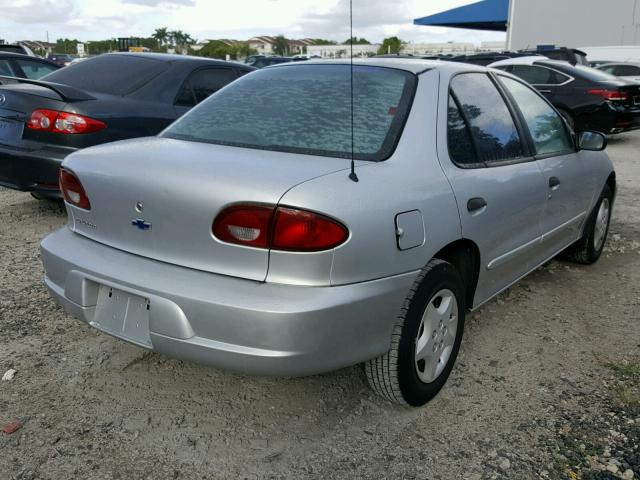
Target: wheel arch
{"points": [[464, 255], [611, 182]]}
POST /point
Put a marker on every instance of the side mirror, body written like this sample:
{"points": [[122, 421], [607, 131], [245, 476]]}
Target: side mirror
{"points": [[594, 141]]}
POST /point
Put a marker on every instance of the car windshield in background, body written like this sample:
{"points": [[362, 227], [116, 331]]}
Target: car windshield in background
{"points": [[306, 109], [109, 73]]}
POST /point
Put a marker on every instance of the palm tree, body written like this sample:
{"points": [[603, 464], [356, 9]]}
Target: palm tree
{"points": [[161, 35]]}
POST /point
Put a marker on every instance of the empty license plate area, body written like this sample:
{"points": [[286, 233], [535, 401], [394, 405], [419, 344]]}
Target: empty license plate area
{"points": [[10, 131], [123, 315]]}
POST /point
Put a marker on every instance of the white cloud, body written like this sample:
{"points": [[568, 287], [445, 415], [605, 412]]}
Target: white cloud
{"points": [[94, 20]]}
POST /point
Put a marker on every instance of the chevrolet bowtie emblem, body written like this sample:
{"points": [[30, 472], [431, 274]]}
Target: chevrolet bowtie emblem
{"points": [[141, 224]]}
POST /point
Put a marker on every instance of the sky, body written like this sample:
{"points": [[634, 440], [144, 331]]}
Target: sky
{"points": [[237, 19]]}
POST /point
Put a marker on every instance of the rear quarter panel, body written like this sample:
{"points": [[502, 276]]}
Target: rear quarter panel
{"points": [[411, 179]]}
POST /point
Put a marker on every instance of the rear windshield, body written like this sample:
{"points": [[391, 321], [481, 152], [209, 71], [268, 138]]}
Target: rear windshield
{"points": [[588, 73], [306, 109], [110, 73]]}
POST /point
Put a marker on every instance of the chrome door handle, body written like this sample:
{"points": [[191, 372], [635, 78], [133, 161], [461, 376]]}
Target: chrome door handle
{"points": [[544, 91], [476, 205]]}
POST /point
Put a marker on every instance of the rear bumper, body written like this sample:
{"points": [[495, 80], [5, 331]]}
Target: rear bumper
{"points": [[236, 324], [32, 170]]}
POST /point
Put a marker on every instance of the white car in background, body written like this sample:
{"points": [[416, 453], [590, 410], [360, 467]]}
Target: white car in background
{"points": [[626, 70]]}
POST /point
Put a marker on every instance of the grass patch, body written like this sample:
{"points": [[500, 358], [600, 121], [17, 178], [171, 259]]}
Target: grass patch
{"points": [[629, 373]]}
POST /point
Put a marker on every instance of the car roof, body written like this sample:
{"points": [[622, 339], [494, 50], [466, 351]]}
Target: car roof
{"points": [[611, 64], [413, 65], [173, 58]]}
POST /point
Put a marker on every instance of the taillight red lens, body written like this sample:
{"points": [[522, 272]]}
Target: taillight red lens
{"points": [[300, 230], [72, 190], [63, 122], [278, 228], [244, 225], [609, 94]]}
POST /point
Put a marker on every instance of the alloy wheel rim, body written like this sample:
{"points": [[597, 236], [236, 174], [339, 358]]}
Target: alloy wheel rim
{"points": [[436, 335], [602, 223]]}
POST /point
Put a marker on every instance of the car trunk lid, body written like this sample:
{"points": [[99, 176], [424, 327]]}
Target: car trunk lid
{"points": [[158, 197], [16, 104]]}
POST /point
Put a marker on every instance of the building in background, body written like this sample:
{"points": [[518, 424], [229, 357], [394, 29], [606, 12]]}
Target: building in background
{"points": [[342, 51], [529, 23]]}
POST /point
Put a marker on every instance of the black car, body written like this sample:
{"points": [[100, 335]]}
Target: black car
{"points": [[262, 62], [110, 97], [61, 59], [23, 66], [588, 98], [571, 55]]}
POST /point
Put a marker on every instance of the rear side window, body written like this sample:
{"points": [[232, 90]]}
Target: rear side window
{"points": [[546, 127], [539, 75], [461, 148], [306, 109], [5, 68], [35, 70], [110, 73], [203, 83], [490, 122]]}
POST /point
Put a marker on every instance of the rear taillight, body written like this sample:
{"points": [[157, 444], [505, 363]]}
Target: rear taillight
{"points": [[278, 228], [609, 94], [72, 190], [63, 122]]}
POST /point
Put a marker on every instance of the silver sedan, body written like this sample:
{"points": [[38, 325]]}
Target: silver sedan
{"points": [[286, 227]]}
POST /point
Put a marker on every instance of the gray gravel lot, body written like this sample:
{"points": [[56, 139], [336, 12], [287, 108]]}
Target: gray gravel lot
{"points": [[547, 385]]}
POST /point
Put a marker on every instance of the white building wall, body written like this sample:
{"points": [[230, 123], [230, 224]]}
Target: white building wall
{"points": [[342, 51], [573, 23]]}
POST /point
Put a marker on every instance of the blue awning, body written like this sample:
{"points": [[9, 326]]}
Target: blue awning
{"points": [[484, 15]]}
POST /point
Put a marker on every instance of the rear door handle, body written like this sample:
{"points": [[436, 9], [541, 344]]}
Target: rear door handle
{"points": [[476, 205], [544, 91], [554, 183]]}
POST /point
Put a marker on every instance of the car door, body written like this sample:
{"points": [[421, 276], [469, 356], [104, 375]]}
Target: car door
{"points": [[498, 186], [569, 185], [200, 84]]}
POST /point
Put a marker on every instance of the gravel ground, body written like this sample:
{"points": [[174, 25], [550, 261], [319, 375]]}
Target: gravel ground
{"points": [[547, 385]]}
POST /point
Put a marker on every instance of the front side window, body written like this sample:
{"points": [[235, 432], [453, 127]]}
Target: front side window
{"points": [[490, 122], [546, 126], [35, 70], [306, 109]]}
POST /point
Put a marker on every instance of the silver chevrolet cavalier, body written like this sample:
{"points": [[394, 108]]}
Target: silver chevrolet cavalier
{"points": [[242, 237]]}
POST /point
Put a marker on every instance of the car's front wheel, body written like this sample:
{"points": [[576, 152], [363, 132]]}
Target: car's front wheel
{"points": [[425, 339]]}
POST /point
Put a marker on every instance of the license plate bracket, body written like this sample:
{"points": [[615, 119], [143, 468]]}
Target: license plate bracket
{"points": [[10, 132], [123, 315]]}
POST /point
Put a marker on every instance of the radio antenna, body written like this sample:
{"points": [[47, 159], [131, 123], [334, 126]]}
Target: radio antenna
{"points": [[352, 175]]}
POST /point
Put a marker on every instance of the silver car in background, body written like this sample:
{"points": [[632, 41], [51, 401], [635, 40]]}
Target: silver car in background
{"points": [[239, 239]]}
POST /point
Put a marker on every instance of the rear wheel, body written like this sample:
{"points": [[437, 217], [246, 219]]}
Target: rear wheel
{"points": [[588, 249], [425, 340]]}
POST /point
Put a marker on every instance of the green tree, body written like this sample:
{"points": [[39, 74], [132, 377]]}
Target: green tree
{"points": [[281, 45], [390, 45], [322, 41], [161, 35], [66, 45], [219, 49], [357, 41]]}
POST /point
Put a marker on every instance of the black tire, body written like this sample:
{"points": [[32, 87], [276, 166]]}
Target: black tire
{"points": [[394, 375], [585, 251]]}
